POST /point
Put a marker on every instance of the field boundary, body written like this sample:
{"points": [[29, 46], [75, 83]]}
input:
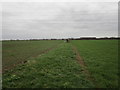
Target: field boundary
{"points": [[83, 66], [25, 60]]}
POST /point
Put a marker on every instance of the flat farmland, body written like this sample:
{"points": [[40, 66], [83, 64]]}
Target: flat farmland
{"points": [[56, 69], [77, 64], [101, 59], [14, 52]]}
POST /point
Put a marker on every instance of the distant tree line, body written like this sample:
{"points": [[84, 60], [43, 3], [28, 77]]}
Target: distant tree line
{"points": [[81, 38], [94, 38]]}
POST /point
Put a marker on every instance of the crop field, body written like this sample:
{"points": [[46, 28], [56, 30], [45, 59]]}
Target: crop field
{"points": [[14, 52], [101, 59], [56, 64]]}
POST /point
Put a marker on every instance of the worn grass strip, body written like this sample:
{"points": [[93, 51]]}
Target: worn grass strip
{"points": [[83, 66], [56, 69], [101, 58]]}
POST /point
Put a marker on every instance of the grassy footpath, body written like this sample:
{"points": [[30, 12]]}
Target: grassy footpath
{"points": [[56, 69], [101, 58], [14, 52]]}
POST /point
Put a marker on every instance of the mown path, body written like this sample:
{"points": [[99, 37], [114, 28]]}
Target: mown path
{"points": [[56, 69]]}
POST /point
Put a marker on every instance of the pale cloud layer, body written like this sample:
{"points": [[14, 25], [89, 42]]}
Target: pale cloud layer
{"points": [[59, 0], [22, 20]]}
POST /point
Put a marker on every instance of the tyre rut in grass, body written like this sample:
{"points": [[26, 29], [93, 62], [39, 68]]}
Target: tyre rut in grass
{"points": [[83, 66]]}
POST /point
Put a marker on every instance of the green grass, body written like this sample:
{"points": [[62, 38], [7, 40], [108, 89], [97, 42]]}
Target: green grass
{"points": [[0, 65], [101, 58], [59, 68], [56, 69], [16, 51]]}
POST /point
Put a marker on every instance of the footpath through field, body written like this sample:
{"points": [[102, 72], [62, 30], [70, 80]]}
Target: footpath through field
{"points": [[100, 59], [57, 68], [83, 66]]}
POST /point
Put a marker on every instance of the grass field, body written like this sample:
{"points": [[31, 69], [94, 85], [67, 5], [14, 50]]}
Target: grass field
{"points": [[14, 52], [0, 65], [59, 67], [101, 58]]}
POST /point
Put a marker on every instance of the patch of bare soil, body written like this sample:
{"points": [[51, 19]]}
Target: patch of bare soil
{"points": [[83, 66]]}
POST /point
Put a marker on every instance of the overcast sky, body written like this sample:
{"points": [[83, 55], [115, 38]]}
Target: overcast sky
{"points": [[25, 20]]}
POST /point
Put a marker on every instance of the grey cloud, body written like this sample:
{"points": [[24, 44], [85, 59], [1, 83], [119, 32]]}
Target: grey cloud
{"points": [[59, 20]]}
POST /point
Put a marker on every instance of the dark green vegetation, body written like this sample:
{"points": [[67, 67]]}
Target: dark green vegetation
{"points": [[0, 64], [101, 58], [14, 52], [59, 67]]}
